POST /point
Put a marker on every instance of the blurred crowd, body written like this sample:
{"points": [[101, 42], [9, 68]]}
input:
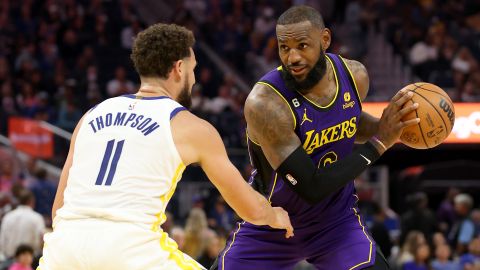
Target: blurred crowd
{"points": [[437, 38], [445, 237], [60, 58]]}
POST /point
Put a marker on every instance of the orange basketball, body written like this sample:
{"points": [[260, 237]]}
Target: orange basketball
{"points": [[436, 113]]}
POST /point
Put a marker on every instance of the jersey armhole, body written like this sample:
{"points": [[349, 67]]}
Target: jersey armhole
{"points": [[351, 79], [176, 111], [284, 99]]}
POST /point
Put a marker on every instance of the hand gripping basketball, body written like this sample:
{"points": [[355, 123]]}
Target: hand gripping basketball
{"points": [[437, 114], [391, 124]]}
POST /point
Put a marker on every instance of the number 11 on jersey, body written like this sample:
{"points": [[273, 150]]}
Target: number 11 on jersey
{"points": [[106, 161]]}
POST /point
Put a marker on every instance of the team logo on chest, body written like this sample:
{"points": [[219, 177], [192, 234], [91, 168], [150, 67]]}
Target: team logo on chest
{"points": [[348, 103], [314, 139]]}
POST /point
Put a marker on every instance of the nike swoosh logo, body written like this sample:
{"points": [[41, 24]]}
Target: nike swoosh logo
{"points": [[368, 160]]}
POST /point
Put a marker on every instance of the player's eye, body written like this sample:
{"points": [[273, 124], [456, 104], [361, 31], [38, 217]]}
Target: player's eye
{"points": [[303, 45], [283, 48]]}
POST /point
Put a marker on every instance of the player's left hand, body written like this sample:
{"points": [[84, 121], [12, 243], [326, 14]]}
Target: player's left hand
{"points": [[282, 221], [391, 124]]}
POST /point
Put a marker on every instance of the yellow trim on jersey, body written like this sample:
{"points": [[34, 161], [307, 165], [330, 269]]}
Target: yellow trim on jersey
{"points": [[273, 188], [353, 79], [176, 255], [230, 246], [276, 91], [249, 138], [371, 244], [40, 261], [176, 177], [161, 217], [336, 93]]}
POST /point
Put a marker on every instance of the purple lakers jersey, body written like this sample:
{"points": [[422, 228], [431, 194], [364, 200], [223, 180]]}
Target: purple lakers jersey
{"points": [[327, 134], [329, 234]]}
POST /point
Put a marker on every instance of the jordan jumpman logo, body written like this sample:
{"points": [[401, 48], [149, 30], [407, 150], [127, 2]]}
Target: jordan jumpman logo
{"points": [[305, 117]]}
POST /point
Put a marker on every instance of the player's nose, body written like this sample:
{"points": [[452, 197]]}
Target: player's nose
{"points": [[294, 57]]}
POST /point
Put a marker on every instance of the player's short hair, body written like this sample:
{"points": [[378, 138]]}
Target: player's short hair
{"points": [[156, 48], [297, 14]]}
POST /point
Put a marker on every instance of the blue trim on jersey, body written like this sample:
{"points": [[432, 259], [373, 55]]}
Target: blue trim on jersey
{"points": [[176, 110], [91, 109], [145, 98]]}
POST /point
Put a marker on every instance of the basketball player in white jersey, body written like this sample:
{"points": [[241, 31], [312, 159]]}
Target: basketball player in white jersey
{"points": [[127, 155]]}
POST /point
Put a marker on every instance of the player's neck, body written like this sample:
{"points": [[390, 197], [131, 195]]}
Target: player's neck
{"points": [[150, 87], [323, 86]]}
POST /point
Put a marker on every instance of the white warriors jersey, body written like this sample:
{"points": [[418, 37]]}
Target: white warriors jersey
{"points": [[125, 163]]}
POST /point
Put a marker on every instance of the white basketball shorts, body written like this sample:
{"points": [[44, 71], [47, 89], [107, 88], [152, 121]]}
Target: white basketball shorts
{"points": [[93, 244]]}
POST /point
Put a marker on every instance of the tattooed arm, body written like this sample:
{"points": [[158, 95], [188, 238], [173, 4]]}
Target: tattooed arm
{"points": [[271, 124], [368, 124]]}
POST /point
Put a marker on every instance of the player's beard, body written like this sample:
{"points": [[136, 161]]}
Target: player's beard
{"points": [[185, 96], [312, 78]]}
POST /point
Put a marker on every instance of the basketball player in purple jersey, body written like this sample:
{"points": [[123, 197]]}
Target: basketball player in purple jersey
{"points": [[303, 119]]}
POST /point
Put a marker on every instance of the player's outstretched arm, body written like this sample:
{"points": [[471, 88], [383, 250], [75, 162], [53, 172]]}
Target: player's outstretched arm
{"points": [[62, 183], [270, 123], [199, 142]]}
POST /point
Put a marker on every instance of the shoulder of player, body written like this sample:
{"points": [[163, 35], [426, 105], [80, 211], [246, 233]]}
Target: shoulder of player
{"points": [[191, 126], [264, 104], [268, 116], [360, 75]]}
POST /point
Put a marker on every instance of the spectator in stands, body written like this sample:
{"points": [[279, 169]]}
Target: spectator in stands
{"points": [[379, 231], [471, 89], [120, 85], [419, 217], [69, 115], [438, 240], [178, 234], [212, 249], [7, 176], [476, 221], [222, 102], [27, 99], [423, 56], [43, 111], [446, 213], [196, 231], [44, 191], [463, 229], [413, 240], [22, 226], [207, 81], [221, 217], [442, 259], [420, 262], [23, 258], [130, 32], [472, 257], [199, 101]]}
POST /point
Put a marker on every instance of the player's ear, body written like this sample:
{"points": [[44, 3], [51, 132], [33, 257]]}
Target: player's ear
{"points": [[325, 38], [178, 70]]}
